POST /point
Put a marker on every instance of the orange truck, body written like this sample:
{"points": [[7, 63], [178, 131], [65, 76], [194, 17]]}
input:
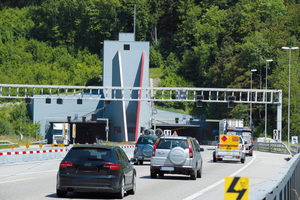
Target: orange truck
{"points": [[230, 147]]}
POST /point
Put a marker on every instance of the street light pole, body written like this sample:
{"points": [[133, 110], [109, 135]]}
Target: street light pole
{"points": [[289, 48], [250, 123], [266, 98]]}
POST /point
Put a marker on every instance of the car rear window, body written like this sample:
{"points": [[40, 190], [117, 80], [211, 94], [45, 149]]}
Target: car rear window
{"points": [[90, 154], [146, 140], [172, 143]]}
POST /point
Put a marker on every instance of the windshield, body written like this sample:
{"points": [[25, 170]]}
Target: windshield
{"points": [[172, 143], [90, 154], [57, 132], [146, 140]]}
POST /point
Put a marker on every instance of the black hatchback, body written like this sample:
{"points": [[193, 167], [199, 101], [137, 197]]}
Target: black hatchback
{"points": [[96, 168]]}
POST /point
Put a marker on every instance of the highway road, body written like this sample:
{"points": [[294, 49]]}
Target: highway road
{"points": [[37, 180]]}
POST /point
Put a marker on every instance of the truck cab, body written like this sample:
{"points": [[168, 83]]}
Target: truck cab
{"points": [[61, 133]]}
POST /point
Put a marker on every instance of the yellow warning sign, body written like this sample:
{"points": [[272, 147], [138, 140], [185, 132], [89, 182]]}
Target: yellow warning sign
{"points": [[236, 188]]}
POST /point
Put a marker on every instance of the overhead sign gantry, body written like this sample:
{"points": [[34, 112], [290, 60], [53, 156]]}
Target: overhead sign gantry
{"points": [[199, 95]]}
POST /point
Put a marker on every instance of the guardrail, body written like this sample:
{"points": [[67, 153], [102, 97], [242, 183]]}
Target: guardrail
{"points": [[295, 149], [6, 142], [284, 185], [275, 147], [40, 142]]}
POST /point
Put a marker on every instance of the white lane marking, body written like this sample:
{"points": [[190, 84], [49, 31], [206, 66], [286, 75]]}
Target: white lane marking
{"points": [[37, 172], [219, 182], [16, 180], [19, 174]]}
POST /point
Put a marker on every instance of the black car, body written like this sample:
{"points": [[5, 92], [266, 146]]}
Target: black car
{"points": [[96, 168]]}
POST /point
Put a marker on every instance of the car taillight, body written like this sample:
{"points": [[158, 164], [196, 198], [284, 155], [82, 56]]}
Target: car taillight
{"points": [[111, 166], [136, 147], [190, 149], [218, 156], [238, 157], [242, 147], [251, 140], [218, 145], [65, 164], [154, 148]]}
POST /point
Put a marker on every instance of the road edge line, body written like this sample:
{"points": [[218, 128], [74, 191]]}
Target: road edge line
{"points": [[219, 182]]}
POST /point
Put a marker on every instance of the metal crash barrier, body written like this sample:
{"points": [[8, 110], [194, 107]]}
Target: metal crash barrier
{"points": [[295, 149], [275, 147], [285, 185]]}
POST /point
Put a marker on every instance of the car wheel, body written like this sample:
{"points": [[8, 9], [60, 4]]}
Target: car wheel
{"points": [[243, 160], [140, 162], [136, 163], [153, 175], [194, 174], [214, 159], [199, 173], [132, 191], [60, 193], [120, 194]]}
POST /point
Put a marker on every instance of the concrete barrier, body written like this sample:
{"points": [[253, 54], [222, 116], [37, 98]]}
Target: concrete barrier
{"points": [[11, 156], [19, 156]]}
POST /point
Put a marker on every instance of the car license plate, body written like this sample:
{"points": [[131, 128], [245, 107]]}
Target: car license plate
{"points": [[167, 168], [228, 157], [247, 151], [228, 153]]}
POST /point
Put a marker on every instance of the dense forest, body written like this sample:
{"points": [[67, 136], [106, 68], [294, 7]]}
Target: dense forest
{"points": [[195, 43]]}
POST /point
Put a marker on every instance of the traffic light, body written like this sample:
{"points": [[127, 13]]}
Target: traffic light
{"points": [[59, 101], [231, 100], [199, 99], [176, 120], [28, 100]]}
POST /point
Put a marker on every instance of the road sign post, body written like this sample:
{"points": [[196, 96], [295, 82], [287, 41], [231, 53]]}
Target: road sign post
{"points": [[294, 139], [275, 134]]}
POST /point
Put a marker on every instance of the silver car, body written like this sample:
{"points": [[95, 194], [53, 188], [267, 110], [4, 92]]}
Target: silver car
{"points": [[176, 155]]}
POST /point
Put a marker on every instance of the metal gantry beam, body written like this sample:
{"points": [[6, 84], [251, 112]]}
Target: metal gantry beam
{"points": [[216, 95], [153, 94]]}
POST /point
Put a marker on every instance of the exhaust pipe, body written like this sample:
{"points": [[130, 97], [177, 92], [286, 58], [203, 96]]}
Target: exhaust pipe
{"points": [[69, 189]]}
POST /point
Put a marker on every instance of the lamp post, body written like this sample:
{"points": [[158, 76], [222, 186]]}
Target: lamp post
{"points": [[289, 48], [266, 98], [250, 124]]}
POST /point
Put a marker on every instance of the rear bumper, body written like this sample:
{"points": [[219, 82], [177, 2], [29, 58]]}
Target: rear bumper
{"points": [[186, 170], [109, 184], [230, 155]]}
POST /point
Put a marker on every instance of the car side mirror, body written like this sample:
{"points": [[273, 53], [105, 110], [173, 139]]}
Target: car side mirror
{"points": [[201, 149], [133, 160]]}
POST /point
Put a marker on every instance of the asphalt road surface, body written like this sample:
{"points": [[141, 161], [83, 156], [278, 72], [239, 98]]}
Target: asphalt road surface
{"points": [[37, 180]]}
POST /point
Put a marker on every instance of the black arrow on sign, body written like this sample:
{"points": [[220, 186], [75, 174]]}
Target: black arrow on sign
{"points": [[232, 190]]}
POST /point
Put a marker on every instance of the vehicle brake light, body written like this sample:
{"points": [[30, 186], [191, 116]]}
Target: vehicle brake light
{"points": [[65, 164], [218, 145], [136, 147], [111, 166], [218, 156], [190, 149], [238, 157], [242, 147], [154, 148]]}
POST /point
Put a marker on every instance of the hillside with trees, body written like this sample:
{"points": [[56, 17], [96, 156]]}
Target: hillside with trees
{"points": [[208, 43]]}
